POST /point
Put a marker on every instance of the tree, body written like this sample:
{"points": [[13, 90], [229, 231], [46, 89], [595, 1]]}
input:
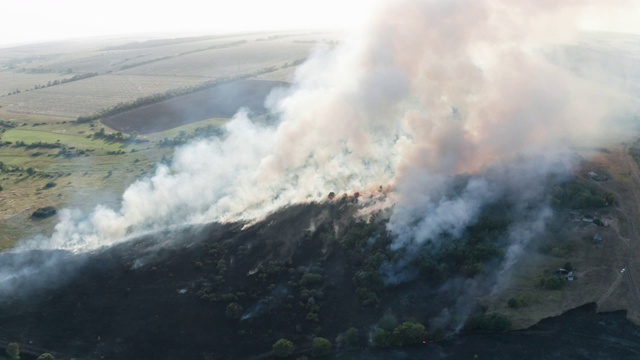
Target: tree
{"points": [[568, 266], [382, 338], [388, 322], [282, 348], [31, 171], [234, 311], [320, 347], [13, 350], [46, 356], [352, 336], [409, 333], [513, 303]]}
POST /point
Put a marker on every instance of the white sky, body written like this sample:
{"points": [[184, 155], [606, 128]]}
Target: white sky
{"points": [[39, 20]]}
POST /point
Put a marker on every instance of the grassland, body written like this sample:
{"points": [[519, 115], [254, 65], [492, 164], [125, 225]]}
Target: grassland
{"points": [[131, 70], [99, 175], [86, 170]]}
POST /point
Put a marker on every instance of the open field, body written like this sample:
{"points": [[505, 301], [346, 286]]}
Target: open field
{"points": [[222, 101], [597, 266], [91, 95], [128, 70], [11, 81]]}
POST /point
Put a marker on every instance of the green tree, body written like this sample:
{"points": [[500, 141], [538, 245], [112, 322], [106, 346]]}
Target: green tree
{"points": [[382, 338], [234, 311], [568, 266], [282, 348], [13, 350], [320, 347], [513, 303], [46, 356], [409, 333], [388, 322], [31, 171], [352, 336]]}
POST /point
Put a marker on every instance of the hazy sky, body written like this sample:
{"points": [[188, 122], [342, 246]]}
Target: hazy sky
{"points": [[36, 20]]}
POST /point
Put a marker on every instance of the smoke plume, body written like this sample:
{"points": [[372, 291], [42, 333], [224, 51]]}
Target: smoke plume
{"points": [[426, 92]]}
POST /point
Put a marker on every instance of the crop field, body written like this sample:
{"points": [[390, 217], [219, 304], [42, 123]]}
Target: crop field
{"points": [[230, 61], [129, 70], [11, 81], [114, 58], [222, 101], [91, 95]]}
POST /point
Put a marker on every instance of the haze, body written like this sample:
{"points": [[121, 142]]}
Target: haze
{"points": [[42, 20]]}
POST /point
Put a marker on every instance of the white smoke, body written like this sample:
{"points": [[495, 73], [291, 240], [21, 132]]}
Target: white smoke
{"points": [[428, 91]]}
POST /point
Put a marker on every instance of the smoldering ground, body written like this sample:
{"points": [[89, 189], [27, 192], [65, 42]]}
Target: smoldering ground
{"points": [[426, 92]]}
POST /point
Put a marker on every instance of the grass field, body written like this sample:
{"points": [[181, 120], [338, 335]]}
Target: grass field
{"points": [[130, 70]]}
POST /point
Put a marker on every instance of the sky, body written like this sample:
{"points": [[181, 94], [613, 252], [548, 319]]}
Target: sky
{"points": [[27, 21]]}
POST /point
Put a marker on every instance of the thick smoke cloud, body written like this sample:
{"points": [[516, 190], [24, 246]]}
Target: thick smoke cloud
{"points": [[427, 92]]}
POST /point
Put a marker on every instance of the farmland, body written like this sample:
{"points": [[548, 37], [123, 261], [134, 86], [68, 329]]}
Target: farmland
{"points": [[129, 70], [50, 160]]}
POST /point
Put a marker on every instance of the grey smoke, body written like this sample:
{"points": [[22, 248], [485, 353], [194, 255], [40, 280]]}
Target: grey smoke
{"points": [[426, 93]]}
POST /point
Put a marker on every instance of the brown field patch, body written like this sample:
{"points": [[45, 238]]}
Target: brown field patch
{"points": [[222, 101]]}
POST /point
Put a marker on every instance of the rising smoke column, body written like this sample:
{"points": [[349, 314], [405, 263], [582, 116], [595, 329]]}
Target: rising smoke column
{"points": [[426, 91]]}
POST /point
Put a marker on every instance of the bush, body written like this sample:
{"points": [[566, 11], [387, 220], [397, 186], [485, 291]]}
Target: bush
{"points": [[44, 212], [553, 283], [491, 322], [320, 347], [13, 350], [382, 338], [234, 311], [352, 336], [513, 303], [388, 322], [409, 333], [282, 348]]}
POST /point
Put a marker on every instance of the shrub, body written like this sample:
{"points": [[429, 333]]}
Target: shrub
{"points": [[491, 322], [320, 347], [49, 185], [409, 333], [44, 212], [513, 303], [382, 338], [234, 311], [352, 336], [13, 350], [553, 283], [282, 348], [388, 322]]}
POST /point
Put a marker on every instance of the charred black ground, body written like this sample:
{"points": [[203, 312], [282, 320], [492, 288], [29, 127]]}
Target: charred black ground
{"points": [[229, 291]]}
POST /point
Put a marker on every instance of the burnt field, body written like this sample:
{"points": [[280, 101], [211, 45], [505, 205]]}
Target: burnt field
{"points": [[221, 101], [225, 291]]}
